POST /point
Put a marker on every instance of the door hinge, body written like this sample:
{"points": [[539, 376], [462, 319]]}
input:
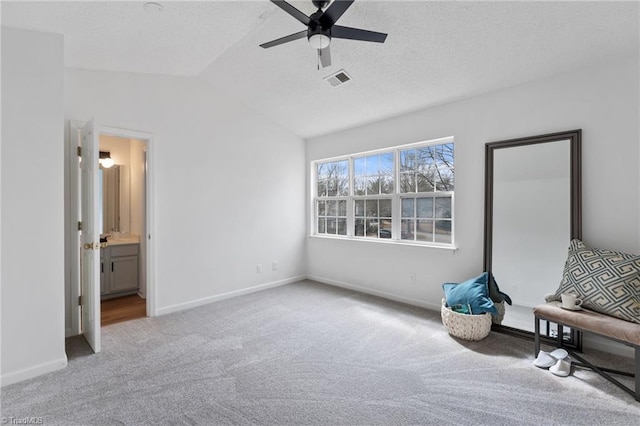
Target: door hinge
{"points": [[80, 300], [79, 226], [79, 151]]}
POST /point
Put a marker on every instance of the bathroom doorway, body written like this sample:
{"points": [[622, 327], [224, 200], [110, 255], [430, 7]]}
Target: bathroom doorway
{"points": [[124, 222], [122, 227]]}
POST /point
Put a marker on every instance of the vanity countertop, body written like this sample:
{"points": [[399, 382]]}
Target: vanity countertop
{"points": [[123, 239]]}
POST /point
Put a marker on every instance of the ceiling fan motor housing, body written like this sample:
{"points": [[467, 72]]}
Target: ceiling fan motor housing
{"points": [[319, 37], [320, 4]]}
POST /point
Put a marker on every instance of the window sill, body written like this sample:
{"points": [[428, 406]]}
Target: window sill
{"points": [[386, 241]]}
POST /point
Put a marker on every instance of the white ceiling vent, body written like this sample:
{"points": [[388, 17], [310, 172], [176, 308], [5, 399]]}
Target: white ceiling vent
{"points": [[338, 78]]}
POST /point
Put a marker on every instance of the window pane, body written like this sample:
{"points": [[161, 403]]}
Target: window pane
{"points": [[385, 228], [444, 181], [321, 171], [359, 206], [342, 226], [372, 208], [331, 208], [331, 226], [343, 187], [359, 186], [372, 165], [343, 168], [424, 159], [386, 163], [407, 229], [372, 227], [407, 207], [385, 208], [321, 226], [424, 230], [333, 178], [321, 210], [332, 188], [322, 189], [425, 207], [407, 160], [359, 166], [407, 182], [386, 184], [443, 231], [443, 208], [359, 230], [342, 208], [373, 186], [425, 182]]}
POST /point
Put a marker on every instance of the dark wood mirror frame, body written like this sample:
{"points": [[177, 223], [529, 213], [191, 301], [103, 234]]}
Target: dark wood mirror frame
{"points": [[575, 154]]}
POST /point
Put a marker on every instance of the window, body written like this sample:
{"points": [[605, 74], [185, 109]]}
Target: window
{"points": [[332, 189], [400, 194], [426, 172]]}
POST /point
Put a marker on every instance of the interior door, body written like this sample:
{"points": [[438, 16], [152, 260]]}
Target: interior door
{"points": [[90, 236]]}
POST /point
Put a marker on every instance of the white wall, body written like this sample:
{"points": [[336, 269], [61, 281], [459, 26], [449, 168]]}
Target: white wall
{"points": [[602, 101], [32, 205], [229, 184]]}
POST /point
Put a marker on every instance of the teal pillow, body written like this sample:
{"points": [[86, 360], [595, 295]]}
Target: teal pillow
{"points": [[474, 292]]}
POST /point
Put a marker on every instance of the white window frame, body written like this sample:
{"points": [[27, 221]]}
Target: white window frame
{"points": [[396, 198]]}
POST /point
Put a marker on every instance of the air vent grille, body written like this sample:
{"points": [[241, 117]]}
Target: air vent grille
{"points": [[338, 78]]}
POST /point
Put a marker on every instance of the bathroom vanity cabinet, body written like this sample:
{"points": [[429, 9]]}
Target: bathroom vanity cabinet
{"points": [[119, 270]]}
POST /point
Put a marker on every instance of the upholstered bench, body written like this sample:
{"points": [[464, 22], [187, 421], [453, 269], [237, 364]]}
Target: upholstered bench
{"points": [[593, 322]]}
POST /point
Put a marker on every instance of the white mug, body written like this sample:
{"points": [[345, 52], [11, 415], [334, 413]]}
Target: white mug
{"points": [[570, 301]]}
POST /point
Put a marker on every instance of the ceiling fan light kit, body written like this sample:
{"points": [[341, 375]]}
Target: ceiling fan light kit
{"points": [[321, 28], [319, 41]]}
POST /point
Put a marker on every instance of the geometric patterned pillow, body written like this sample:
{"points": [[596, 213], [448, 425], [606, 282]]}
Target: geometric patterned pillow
{"points": [[607, 281]]}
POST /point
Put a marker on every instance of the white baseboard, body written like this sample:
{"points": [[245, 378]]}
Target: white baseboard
{"points": [[206, 300], [383, 294], [31, 372]]}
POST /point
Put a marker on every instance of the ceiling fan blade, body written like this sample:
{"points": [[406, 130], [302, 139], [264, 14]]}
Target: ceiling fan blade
{"points": [[291, 10], [324, 55], [338, 31], [286, 39], [334, 12]]}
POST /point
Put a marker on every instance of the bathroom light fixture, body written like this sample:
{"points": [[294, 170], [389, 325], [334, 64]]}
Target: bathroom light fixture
{"points": [[105, 159]]}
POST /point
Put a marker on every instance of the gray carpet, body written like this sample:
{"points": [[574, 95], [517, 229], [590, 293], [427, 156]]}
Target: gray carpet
{"points": [[307, 353]]}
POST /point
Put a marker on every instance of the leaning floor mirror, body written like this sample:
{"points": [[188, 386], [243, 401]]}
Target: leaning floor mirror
{"points": [[532, 211]]}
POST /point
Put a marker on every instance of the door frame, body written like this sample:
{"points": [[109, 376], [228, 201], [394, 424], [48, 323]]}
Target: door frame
{"points": [[73, 201]]}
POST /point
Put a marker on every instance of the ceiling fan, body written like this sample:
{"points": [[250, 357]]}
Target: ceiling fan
{"points": [[321, 28]]}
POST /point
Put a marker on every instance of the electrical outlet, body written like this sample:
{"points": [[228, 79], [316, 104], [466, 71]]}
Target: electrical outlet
{"points": [[274, 266], [412, 278], [259, 268]]}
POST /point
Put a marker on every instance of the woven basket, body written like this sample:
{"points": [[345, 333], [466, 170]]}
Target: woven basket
{"points": [[465, 326]]}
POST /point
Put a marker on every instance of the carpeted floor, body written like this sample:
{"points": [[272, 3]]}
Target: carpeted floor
{"points": [[308, 353]]}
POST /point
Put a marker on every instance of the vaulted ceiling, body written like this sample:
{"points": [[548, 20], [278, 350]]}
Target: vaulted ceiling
{"points": [[436, 51]]}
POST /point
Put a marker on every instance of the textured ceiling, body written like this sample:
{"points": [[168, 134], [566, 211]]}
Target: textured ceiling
{"points": [[436, 52]]}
